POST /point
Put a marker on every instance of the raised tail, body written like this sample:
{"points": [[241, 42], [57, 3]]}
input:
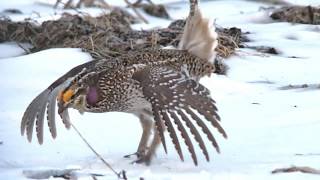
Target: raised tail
{"points": [[199, 36]]}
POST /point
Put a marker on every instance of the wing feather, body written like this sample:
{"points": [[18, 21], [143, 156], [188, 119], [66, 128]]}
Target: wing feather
{"points": [[172, 133], [159, 125], [171, 91], [36, 110], [195, 132], [185, 136], [40, 121], [51, 112], [204, 128]]}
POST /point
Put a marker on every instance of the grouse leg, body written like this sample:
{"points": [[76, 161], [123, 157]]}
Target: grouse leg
{"points": [[146, 124], [146, 158]]}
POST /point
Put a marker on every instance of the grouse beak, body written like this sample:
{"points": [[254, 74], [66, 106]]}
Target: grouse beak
{"points": [[62, 107]]}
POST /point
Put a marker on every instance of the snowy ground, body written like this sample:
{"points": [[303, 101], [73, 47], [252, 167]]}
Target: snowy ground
{"points": [[268, 128]]}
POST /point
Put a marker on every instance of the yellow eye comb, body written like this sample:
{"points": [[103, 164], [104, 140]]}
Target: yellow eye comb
{"points": [[66, 96]]}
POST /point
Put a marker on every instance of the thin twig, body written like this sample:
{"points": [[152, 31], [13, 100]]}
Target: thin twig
{"points": [[94, 177], [92, 43], [26, 50], [73, 8], [136, 11], [120, 175]]}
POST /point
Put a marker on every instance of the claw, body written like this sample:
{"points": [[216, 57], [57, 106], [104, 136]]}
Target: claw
{"points": [[144, 159], [138, 154]]}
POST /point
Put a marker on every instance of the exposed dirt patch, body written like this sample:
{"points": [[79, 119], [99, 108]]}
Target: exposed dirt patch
{"points": [[297, 14], [303, 169], [265, 49], [301, 86], [68, 31], [157, 10], [273, 2]]}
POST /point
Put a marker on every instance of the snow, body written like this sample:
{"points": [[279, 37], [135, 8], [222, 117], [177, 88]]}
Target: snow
{"points": [[266, 127], [307, 2], [11, 49]]}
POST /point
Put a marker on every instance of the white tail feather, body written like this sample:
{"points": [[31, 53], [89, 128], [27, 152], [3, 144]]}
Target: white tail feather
{"points": [[199, 36]]}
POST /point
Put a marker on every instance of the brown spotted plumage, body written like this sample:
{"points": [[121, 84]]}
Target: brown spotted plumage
{"points": [[161, 87]]}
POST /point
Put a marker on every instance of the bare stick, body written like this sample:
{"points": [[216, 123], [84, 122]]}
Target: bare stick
{"points": [[26, 50], [120, 175]]}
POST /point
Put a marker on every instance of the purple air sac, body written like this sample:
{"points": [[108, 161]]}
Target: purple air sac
{"points": [[92, 96]]}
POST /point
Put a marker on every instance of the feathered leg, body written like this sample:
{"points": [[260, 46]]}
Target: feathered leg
{"points": [[151, 149], [146, 124]]}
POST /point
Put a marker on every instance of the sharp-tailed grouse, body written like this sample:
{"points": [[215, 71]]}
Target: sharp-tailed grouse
{"points": [[160, 86]]}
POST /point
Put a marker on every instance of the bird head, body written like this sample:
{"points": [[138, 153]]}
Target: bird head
{"points": [[77, 97]]}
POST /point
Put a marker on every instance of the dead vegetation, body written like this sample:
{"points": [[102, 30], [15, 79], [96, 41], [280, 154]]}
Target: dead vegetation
{"points": [[157, 10], [108, 35], [297, 14], [87, 3], [265, 49], [149, 7], [303, 169], [69, 31], [273, 2], [300, 86]]}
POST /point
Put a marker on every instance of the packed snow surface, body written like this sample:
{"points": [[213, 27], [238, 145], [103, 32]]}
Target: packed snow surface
{"points": [[267, 128]]}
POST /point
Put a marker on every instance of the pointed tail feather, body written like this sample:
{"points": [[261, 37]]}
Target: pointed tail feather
{"points": [[199, 36]]}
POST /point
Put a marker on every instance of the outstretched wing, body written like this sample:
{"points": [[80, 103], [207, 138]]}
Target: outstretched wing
{"points": [[177, 99], [46, 100]]}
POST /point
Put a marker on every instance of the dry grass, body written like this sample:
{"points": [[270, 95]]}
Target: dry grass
{"points": [[108, 35], [298, 14]]}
